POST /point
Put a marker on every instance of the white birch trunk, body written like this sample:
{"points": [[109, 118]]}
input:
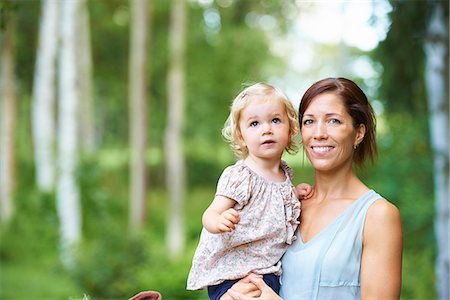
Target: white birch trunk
{"points": [[67, 191], [43, 98], [436, 49], [138, 110], [175, 170], [86, 110], [8, 121]]}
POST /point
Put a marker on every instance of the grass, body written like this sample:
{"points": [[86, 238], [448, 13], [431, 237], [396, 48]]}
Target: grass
{"points": [[36, 279]]}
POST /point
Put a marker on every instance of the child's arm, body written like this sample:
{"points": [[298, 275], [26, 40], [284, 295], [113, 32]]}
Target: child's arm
{"points": [[220, 216], [304, 191]]}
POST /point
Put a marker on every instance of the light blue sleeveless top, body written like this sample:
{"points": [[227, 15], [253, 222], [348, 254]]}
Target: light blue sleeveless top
{"points": [[328, 266]]}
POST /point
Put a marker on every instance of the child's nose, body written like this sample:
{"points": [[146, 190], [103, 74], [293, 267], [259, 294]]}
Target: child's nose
{"points": [[267, 128]]}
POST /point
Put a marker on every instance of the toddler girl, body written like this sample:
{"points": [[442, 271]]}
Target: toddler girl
{"points": [[255, 212]]}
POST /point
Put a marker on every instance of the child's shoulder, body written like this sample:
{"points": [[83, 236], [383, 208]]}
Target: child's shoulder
{"points": [[235, 182], [237, 169]]}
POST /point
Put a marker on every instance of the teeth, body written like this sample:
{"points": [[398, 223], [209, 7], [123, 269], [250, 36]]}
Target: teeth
{"points": [[322, 149]]}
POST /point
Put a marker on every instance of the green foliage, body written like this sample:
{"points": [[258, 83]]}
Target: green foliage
{"points": [[109, 22], [406, 36], [107, 266], [404, 176], [41, 280], [218, 61], [7, 8], [124, 262], [402, 56], [418, 274], [27, 20], [405, 172], [405, 150], [29, 256]]}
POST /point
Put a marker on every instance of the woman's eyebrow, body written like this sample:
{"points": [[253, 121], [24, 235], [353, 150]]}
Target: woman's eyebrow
{"points": [[327, 115]]}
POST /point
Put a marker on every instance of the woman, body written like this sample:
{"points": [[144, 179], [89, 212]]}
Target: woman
{"points": [[349, 243]]}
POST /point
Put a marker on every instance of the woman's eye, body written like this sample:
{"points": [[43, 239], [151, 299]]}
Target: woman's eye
{"points": [[307, 122], [276, 121], [254, 124], [335, 121]]}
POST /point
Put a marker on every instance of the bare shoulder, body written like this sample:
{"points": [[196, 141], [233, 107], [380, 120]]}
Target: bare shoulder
{"points": [[383, 210], [383, 220]]}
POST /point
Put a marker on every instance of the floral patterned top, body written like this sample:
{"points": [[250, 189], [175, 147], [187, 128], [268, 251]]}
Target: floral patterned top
{"points": [[269, 214]]}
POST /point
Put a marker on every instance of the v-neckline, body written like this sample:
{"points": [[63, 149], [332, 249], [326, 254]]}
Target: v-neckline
{"points": [[332, 222]]}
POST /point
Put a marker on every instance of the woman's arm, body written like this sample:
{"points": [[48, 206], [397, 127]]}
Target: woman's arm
{"points": [[220, 217], [381, 265]]}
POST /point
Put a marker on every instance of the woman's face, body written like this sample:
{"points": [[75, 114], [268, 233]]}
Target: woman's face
{"points": [[328, 133]]}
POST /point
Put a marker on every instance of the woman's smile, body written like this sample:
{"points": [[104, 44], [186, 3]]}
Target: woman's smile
{"points": [[321, 149]]}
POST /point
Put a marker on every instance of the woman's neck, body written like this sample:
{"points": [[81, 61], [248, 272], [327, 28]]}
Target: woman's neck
{"points": [[338, 184]]}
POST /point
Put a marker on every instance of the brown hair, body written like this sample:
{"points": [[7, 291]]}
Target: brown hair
{"points": [[358, 107]]}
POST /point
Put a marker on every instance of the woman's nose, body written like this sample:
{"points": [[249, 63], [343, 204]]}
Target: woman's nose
{"points": [[321, 131]]}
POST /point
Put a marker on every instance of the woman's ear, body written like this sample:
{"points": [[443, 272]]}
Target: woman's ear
{"points": [[360, 133]]}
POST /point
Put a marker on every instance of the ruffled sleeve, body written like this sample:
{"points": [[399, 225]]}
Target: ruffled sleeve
{"points": [[234, 183], [287, 170], [292, 206], [292, 212]]}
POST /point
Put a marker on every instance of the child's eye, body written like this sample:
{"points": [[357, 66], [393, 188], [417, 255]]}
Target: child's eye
{"points": [[254, 124], [276, 121]]}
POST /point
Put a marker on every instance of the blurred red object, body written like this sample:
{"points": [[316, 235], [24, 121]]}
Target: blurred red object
{"points": [[147, 295]]}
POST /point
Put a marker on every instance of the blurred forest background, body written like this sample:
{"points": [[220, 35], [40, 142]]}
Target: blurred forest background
{"points": [[111, 112]]}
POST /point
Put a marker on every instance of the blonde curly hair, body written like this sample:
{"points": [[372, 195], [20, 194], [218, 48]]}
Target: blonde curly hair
{"points": [[231, 131]]}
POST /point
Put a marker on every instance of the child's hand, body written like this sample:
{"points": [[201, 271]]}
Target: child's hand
{"points": [[304, 191], [227, 220]]}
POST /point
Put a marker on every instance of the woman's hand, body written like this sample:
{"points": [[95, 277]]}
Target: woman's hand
{"points": [[244, 287], [266, 293]]}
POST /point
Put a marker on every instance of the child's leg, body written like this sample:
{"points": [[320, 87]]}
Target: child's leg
{"points": [[217, 291], [273, 281]]}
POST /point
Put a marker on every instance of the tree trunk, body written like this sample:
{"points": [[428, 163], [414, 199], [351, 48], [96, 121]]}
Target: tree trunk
{"points": [[436, 49], [86, 111], [175, 170], [138, 110], [68, 95], [43, 99], [8, 119]]}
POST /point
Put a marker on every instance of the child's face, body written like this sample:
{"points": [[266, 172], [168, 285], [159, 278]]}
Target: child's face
{"points": [[264, 127]]}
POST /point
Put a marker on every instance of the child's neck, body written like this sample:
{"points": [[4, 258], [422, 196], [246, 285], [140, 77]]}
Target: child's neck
{"points": [[269, 169]]}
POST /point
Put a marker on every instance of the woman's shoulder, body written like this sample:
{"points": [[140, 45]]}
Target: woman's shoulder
{"points": [[382, 209], [382, 220]]}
